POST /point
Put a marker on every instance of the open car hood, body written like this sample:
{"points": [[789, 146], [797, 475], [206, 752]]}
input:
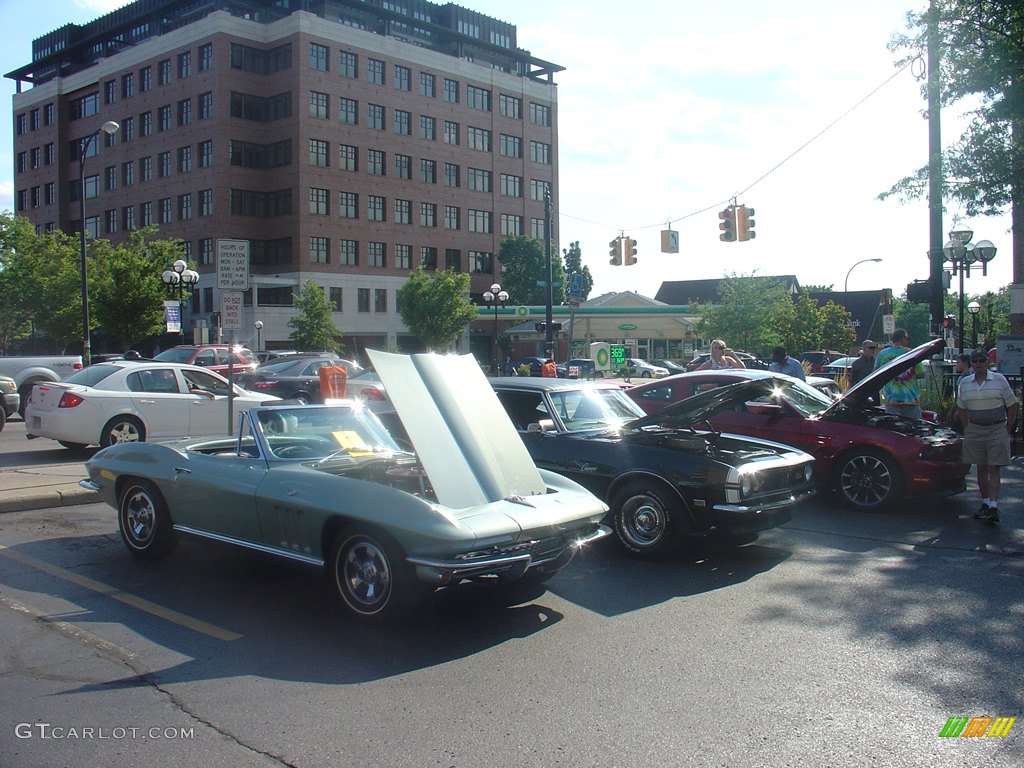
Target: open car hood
{"points": [[464, 438], [694, 411], [873, 382]]}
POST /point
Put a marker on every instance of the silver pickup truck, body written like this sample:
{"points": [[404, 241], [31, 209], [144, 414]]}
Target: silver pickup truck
{"points": [[29, 371]]}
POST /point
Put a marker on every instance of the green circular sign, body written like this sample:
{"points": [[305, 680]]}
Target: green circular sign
{"points": [[522, 311], [627, 327], [602, 358]]}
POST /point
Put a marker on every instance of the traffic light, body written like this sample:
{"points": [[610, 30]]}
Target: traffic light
{"points": [[615, 251], [745, 223], [949, 323], [628, 251], [728, 224]]}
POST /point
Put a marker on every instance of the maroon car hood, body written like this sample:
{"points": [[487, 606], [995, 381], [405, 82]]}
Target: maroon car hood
{"points": [[878, 378]]}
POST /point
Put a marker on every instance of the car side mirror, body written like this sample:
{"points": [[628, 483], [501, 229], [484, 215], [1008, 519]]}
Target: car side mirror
{"points": [[544, 425]]}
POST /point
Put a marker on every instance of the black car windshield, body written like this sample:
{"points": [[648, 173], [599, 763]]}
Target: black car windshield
{"points": [[92, 375], [587, 409]]}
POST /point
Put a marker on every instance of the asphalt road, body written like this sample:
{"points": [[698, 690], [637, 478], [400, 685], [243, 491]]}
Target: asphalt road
{"points": [[841, 639]]}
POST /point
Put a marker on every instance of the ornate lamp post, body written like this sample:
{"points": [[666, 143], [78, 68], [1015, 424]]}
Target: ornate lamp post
{"points": [[962, 253], [109, 128], [180, 275], [496, 297], [974, 308], [258, 325], [846, 283]]}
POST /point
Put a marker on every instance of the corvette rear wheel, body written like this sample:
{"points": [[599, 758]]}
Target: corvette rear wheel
{"points": [[868, 480], [372, 578], [645, 519], [145, 521]]}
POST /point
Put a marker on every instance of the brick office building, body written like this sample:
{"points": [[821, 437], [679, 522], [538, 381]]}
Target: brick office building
{"points": [[347, 141]]}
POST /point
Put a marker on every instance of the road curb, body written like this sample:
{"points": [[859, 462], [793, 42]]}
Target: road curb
{"points": [[42, 498]]}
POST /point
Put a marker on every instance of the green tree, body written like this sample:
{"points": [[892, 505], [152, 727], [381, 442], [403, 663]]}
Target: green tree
{"points": [[574, 264], [805, 331], [523, 266], [15, 314], [436, 308], [753, 313], [837, 331], [127, 293], [313, 326]]}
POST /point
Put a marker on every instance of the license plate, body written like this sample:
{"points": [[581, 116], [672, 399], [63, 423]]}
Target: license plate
{"points": [[37, 422]]}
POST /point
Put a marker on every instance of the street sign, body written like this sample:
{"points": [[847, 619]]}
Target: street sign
{"points": [[231, 310], [888, 324], [575, 289], [233, 265]]}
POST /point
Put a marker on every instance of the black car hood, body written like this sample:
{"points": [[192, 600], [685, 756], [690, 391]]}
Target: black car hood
{"points": [[858, 394]]}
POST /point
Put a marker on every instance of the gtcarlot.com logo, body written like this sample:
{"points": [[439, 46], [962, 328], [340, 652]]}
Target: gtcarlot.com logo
{"points": [[976, 727], [49, 731]]}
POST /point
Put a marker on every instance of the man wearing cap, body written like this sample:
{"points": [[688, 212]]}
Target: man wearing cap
{"points": [[988, 411], [783, 363]]}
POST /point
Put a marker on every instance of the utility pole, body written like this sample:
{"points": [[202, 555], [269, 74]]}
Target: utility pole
{"points": [[549, 331], [936, 257]]}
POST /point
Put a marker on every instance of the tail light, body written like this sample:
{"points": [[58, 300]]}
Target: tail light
{"points": [[263, 385], [70, 400], [372, 393]]}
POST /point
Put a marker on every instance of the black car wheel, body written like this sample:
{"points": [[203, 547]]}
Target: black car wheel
{"points": [[868, 480], [645, 519], [122, 429], [372, 577], [145, 521]]}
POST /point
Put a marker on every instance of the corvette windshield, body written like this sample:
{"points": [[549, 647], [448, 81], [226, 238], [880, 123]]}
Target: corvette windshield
{"points": [[318, 433]]}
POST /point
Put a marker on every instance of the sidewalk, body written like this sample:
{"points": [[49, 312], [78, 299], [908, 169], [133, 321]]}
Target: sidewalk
{"points": [[39, 487]]}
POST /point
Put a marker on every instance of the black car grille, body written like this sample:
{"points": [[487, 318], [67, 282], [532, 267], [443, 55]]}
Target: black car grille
{"points": [[783, 480]]}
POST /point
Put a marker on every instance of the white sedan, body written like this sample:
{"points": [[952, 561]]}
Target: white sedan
{"points": [[124, 401]]}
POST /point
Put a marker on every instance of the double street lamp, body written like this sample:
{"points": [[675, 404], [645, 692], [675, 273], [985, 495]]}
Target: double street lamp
{"points": [[496, 297], [109, 128], [180, 275], [962, 253]]}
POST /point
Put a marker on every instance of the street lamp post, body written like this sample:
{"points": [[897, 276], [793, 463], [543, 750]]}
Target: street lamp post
{"points": [[180, 275], [258, 325], [846, 283], [962, 253], [109, 128], [974, 308], [496, 297]]}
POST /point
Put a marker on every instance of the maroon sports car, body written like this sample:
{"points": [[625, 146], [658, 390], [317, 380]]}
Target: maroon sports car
{"points": [[870, 458]]}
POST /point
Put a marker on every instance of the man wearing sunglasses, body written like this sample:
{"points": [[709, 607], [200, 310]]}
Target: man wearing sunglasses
{"points": [[988, 412]]}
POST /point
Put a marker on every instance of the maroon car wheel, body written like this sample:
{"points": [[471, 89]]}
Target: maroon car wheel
{"points": [[868, 480]]}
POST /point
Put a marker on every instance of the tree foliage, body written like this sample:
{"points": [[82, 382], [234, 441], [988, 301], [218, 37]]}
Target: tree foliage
{"points": [[314, 328], [523, 266], [574, 264], [982, 59], [436, 308]]}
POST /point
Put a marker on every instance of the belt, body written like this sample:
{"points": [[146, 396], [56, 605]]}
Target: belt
{"points": [[986, 423]]}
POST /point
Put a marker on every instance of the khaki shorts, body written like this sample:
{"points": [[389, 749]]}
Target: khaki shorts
{"points": [[988, 446]]}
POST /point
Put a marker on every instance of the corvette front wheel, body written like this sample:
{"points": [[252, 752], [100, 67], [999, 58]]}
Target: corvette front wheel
{"points": [[372, 578]]}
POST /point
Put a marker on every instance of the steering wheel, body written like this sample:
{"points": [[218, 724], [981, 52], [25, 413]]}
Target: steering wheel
{"points": [[295, 452]]}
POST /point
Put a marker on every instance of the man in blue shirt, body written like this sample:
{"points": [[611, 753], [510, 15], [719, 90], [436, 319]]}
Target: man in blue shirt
{"points": [[783, 363]]}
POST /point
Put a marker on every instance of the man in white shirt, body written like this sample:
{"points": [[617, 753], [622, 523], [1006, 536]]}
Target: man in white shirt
{"points": [[988, 412]]}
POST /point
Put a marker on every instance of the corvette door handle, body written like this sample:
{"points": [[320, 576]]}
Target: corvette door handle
{"points": [[182, 470]]}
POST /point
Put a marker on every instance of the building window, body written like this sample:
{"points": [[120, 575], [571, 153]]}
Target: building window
{"points": [[163, 118], [128, 129], [109, 97], [127, 85], [511, 186], [375, 71], [478, 138], [428, 171], [478, 180], [511, 146], [427, 85], [205, 57], [375, 208], [48, 154], [451, 132], [163, 72], [319, 105], [319, 250], [166, 214], [479, 221], [185, 206], [540, 152], [206, 251], [451, 91], [184, 64], [511, 225], [363, 299], [349, 65], [319, 153], [540, 114], [451, 217], [205, 154], [428, 128], [21, 125], [453, 259], [206, 202], [509, 106], [375, 160], [205, 106], [403, 211], [403, 78], [348, 157], [428, 257], [403, 122], [538, 189], [376, 255], [403, 166], [428, 215], [145, 124], [128, 173], [537, 229], [334, 296], [128, 217], [318, 57], [375, 116], [403, 256], [481, 262], [145, 79], [184, 159], [146, 214], [163, 169], [146, 168], [348, 111], [478, 98], [348, 205], [380, 299], [451, 175], [348, 253], [319, 201]]}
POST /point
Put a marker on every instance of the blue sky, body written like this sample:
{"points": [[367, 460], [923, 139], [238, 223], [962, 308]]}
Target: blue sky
{"points": [[668, 112]]}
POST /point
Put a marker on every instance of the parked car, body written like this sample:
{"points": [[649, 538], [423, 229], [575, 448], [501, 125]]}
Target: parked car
{"points": [[661, 482], [644, 369], [126, 401], [212, 357], [669, 366], [270, 355], [869, 458], [838, 368], [654, 396], [367, 385], [293, 377], [585, 368], [327, 485], [29, 371], [818, 360], [10, 400]]}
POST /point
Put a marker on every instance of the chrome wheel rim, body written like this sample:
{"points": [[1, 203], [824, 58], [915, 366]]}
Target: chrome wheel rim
{"points": [[866, 481], [124, 432], [364, 575], [642, 521], [139, 518]]}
